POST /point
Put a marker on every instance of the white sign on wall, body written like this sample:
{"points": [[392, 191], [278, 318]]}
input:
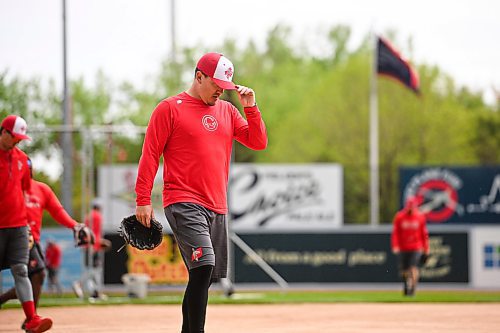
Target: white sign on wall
{"points": [[271, 196], [285, 196], [117, 191], [485, 256]]}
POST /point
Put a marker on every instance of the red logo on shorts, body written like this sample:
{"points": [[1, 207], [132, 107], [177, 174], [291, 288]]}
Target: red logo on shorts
{"points": [[197, 253]]}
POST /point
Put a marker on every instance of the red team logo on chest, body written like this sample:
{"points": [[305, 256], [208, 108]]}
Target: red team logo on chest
{"points": [[209, 122], [197, 253]]}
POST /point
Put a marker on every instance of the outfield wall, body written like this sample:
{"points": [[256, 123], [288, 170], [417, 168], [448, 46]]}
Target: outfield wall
{"points": [[348, 257], [351, 254], [469, 256]]}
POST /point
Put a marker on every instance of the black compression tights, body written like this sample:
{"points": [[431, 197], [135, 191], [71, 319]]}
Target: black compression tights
{"points": [[194, 304]]}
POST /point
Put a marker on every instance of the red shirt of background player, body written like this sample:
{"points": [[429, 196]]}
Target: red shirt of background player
{"points": [[53, 255], [94, 222], [410, 229]]}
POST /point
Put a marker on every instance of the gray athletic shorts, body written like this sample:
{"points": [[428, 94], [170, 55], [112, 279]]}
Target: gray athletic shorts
{"points": [[13, 246], [201, 235]]}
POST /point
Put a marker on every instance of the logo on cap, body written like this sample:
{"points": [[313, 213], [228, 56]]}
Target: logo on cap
{"points": [[229, 73]]}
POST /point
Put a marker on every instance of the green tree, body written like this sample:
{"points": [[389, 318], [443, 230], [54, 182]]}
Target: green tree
{"points": [[315, 108]]}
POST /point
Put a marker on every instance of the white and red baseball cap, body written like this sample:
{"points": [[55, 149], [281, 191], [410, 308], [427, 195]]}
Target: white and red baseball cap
{"points": [[219, 68], [16, 126]]}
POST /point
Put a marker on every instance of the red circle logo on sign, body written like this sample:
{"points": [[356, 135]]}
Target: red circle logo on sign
{"points": [[439, 198]]}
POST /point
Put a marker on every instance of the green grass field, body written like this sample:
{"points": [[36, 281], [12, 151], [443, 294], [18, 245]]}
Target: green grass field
{"points": [[277, 297]]}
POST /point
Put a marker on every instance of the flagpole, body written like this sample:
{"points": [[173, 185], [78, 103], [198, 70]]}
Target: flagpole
{"points": [[374, 149]]}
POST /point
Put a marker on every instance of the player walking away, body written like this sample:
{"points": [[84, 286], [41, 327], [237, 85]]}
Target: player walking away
{"points": [[93, 257], [14, 243], [194, 132], [53, 256], [38, 198], [410, 240]]}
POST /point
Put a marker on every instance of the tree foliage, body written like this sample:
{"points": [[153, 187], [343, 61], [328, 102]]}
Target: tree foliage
{"points": [[316, 110]]}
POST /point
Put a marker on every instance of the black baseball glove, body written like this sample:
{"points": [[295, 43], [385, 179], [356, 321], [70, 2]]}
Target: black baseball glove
{"points": [[139, 236], [83, 235]]}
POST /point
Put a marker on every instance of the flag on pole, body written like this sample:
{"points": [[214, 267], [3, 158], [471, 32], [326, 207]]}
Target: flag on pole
{"points": [[391, 63]]}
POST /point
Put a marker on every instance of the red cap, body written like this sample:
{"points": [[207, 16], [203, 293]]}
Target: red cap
{"points": [[16, 126], [219, 68]]}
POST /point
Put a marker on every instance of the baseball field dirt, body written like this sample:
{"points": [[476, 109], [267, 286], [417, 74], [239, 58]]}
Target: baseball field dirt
{"points": [[280, 318]]}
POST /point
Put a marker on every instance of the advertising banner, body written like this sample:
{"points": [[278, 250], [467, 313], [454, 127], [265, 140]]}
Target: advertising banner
{"points": [[286, 196], [347, 257], [274, 196], [454, 195], [164, 264], [485, 256]]}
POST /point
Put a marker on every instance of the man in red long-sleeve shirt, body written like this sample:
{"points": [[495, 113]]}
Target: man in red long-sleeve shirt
{"points": [[194, 131], [410, 239], [38, 198], [14, 244]]}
